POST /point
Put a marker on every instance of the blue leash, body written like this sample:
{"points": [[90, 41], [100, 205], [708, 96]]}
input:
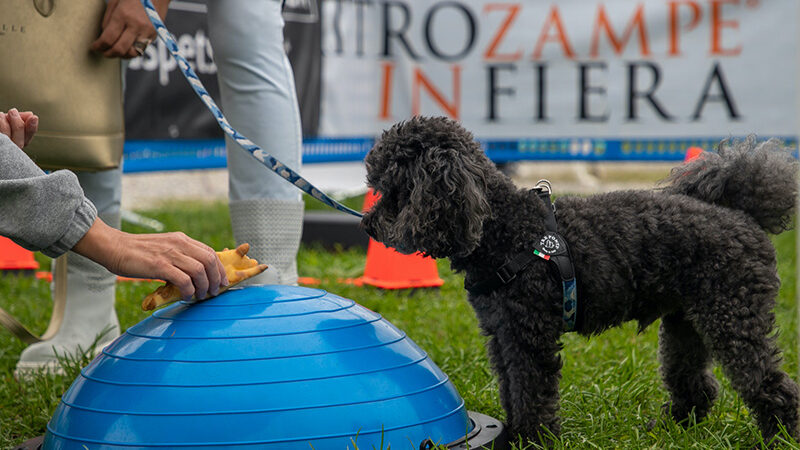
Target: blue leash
{"points": [[262, 156]]}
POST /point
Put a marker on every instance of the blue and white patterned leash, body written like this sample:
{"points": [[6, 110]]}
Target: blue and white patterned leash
{"points": [[262, 156]]}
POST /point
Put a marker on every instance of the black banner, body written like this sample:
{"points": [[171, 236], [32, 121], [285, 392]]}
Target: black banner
{"points": [[303, 38], [160, 104]]}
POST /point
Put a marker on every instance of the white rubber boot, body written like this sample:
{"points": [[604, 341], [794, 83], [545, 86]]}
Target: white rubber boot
{"points": [[273, 229], [90, 320]]}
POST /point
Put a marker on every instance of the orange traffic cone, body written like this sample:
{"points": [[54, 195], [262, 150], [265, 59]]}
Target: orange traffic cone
{"points": [[14, 257], [692, 153], [387, 268]]}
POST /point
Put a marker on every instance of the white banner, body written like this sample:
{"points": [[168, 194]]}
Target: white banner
{"points": [[656, 70]]}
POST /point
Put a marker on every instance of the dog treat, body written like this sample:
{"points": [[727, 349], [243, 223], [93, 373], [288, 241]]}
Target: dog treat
{"points": [[238, 267]]}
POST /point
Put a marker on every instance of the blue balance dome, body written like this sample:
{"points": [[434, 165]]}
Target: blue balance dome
{"points": [[269, 367]]}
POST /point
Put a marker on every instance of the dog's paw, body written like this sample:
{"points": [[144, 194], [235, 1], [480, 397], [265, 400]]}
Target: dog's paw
{"points": [[665, 414], [669, 414]]}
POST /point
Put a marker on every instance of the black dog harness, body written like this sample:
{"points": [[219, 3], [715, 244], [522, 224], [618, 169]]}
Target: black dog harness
{"points": [[550, 247]]}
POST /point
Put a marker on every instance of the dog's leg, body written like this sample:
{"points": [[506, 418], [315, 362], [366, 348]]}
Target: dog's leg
{"points": [[499, 366], [737, 330], [685, 368], [533, 370]]}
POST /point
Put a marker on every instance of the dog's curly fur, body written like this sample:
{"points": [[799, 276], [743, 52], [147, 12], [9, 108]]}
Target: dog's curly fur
{"points": [[694, 253]]}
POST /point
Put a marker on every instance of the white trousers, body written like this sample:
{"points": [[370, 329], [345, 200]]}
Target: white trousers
{"points": [[258, 94], [259, 100]]}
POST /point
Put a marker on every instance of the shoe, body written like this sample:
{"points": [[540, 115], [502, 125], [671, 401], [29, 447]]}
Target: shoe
{"points": [[89, 323]]}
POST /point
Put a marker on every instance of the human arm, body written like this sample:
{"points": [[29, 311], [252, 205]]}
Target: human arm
{"points": [[49, 213], [125, 22], [39, 211], [188, 264]]}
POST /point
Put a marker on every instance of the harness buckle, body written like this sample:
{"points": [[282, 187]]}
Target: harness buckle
{"points": [[505, 275]]}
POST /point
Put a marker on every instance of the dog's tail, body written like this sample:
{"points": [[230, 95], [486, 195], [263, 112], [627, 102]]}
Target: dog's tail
{"points": [[757, 178]]}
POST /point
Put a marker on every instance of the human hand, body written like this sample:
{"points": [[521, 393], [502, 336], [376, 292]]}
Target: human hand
{"points": [[174, 257], [238, 266], [19, 126], [125, 23]]}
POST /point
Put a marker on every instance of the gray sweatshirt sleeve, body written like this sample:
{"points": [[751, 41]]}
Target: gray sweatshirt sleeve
{"points": [[38, 211]]}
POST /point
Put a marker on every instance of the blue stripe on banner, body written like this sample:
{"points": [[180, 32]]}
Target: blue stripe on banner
{"points": [[336, 149], [594, 149], [151, 156]]}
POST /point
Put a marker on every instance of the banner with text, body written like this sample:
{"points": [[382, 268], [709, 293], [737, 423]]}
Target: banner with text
{"points": [[612, 79], [169, 128]]}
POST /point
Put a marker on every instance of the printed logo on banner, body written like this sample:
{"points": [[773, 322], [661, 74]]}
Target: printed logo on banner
{"points": [[156, 89], [195, 46]]}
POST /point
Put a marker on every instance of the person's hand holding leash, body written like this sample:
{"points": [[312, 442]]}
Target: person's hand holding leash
{"points": [[126, 29]]}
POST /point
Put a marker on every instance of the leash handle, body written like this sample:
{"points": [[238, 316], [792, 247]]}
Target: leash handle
{"points": [[59, 305], [258, 153]]}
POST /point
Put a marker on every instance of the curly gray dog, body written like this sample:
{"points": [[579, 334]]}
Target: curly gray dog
{"points": [[695, 253]]}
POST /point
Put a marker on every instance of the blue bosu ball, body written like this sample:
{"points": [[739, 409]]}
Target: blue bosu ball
{"points": [[269, 367]]}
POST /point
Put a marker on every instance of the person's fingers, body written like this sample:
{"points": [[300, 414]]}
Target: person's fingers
{"points": [[125, 22], [109, 36], [5, 128], [110, 6], [31, 127], [220, 277], [194, 269], [208, 257], [146, 33], [222, 273], [132, 53], [17, 127], [180, 279], [123, 46], [214, 276], [26, 115]]}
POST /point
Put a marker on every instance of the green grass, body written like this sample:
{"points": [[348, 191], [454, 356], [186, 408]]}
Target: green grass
{"points": [[610, 388]]}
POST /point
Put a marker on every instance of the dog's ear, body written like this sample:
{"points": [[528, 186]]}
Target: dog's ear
{"points": [[447, 204]]}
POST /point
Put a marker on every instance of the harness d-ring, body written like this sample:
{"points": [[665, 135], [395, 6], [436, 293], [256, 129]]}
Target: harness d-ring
{"points": [[544, 185]]}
